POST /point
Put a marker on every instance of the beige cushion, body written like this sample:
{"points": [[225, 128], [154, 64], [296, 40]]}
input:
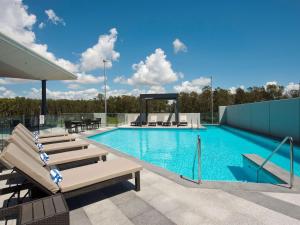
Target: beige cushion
{"points": [[55, 134], [52, 147], [72, 156], [26, 148], [91, 174], [22, 161], [28, 141], [66, 146], [60, 158], [56, 139]]}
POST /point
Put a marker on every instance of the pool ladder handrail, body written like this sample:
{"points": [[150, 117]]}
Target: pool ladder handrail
{"points": [[199, 163], [287, 138]]}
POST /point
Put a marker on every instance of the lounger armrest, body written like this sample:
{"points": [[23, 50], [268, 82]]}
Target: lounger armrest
{"points": [[9, 212]]}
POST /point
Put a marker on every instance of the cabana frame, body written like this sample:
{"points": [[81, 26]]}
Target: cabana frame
{"points": [[148, 97]]}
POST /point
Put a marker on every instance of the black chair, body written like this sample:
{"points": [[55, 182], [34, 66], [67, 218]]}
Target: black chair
{"points": [[88, 124], [69, 126], [98, 122]]}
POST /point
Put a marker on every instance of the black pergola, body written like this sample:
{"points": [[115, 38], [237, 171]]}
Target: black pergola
{"points": [[148, 97]]}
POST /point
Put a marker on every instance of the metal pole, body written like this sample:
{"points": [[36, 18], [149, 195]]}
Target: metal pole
{"points": [[212, 100], [44, 101], [105, 103], [291, 162], [199, 159]]}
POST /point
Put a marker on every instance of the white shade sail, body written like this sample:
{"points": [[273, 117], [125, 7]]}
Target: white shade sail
{"points": [[17, 61]]}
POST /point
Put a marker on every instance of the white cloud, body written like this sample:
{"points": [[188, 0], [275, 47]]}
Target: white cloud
{"points": [[15, 81], [54, 18], [156, 70], [156, 90], [93, 57], [179, 46], [232, 90], [17, 22], [73, 86], [82, 94], [83, 78], [120, 80], [291, 86], [5, 93], [195, 85], [41, 25], [270, 83]]}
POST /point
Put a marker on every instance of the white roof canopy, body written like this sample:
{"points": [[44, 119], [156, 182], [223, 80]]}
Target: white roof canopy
{"points": [[17, 61]]}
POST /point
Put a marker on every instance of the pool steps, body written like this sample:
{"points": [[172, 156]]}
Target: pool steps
{"points": [[271, 168]]}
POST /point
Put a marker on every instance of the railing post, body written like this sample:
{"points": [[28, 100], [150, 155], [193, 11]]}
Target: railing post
{"points": [[291, 162], [199, 159]]}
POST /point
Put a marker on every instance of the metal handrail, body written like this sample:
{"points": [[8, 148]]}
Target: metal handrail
{"points": [[199, 162], [291, 159]]}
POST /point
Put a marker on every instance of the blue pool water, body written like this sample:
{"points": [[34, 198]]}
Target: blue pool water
{"points": [[175, 150]]}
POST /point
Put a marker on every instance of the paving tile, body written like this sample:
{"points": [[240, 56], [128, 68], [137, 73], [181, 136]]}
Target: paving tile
{"points": [[186, 217], [164, 203], [105, 212], [79, 217], [151, 217], [148, 193], [123, 197], [134, 207]]}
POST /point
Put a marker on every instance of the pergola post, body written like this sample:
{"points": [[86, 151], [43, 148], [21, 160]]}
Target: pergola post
{"points": [[44, 98], [141, 111], [177, 111], [146, 111]]}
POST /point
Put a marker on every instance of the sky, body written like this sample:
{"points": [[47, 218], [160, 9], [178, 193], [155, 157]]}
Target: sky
{"points": [[156, 46]]}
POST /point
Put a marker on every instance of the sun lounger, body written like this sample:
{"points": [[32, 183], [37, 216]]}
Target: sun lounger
{"points": [[75, 181], [54, 148], [64, 159], [166, 121], [152, 121], [47, 140], [183, 120], [54, 134], [137, 121]]}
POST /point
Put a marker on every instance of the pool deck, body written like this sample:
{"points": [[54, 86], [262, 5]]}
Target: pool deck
{"points": [[166, 199]]}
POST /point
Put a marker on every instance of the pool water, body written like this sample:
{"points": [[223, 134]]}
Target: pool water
{"points": [[176, 150]]}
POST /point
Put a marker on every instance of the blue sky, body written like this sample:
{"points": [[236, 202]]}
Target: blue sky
{"points": [[237, 42]]}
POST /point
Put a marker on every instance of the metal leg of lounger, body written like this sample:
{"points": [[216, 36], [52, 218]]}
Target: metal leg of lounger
{"points": [[137, 181], [103, 158]]}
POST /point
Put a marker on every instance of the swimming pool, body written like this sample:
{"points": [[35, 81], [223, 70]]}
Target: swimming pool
{"points": [[175, 150]]}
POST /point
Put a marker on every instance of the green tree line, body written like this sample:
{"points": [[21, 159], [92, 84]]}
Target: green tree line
{"points": [[188, 102]]}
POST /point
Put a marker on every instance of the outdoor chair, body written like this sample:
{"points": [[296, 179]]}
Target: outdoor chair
{"points": [[69, 126], [75, 181], [48, 135], [47, 140], [53, 148], [152, 121], [65, 159], [183, 120], [166, 121], [136, 122], [98, 122]]}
